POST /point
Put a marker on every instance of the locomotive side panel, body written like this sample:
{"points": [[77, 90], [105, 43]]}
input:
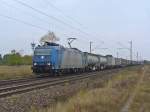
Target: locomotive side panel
{"points": [[71, 59]]}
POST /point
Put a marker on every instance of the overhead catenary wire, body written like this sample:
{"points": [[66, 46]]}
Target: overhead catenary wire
{"points": [[24, 22], [122, 45], [37, 17], [62, 12], [39, 27], [33, 16], [23, 12], [50, 16], [45, 14], [29, 14], [69, 17]]}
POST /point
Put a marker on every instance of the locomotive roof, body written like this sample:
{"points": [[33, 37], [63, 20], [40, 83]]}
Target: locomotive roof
{"points": [[49, 45]]}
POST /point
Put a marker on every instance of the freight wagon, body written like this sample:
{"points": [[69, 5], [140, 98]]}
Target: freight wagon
{"points": [[103, 62], [91, 61], [117, 62], [110, 61]]}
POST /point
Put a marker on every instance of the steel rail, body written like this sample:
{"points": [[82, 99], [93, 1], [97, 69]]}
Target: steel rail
{"points": [[17, 89]]}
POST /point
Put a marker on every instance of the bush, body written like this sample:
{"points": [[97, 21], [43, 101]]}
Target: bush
{"points": [[16, 59]]}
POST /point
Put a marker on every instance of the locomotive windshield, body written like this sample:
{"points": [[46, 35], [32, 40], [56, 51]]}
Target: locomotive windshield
{"points": [[42, 51]]}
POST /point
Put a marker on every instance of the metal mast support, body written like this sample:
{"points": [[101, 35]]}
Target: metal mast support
{"points": [[117, 55], [131, 51], [91, 47], [33, 45], [137, 57]]}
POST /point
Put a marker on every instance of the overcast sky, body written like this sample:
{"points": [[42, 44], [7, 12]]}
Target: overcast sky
{"points": [[107, 23]]}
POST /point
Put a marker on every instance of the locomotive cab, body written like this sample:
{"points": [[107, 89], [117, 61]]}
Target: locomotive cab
{"points": [[45, 58]]}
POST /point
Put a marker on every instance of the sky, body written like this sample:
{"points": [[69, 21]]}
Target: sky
{"points": [[109, 24]]}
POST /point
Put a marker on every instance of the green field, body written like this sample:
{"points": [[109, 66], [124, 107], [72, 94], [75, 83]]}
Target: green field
{"points": [[13, 72]]}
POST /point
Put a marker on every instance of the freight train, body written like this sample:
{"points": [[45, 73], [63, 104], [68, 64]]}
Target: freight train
{"points": [[54, 59]]}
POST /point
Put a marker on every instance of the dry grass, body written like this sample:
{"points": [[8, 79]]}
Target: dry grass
{"points": [[110, 98], [13, 72], [141, 102]]}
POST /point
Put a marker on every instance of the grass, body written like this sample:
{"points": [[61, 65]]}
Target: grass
{"points": [[13, 72], [110, 98], [141, 102]]}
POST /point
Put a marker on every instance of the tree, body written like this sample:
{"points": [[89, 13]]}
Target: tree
{"points": [[12, 59], [15, 58], [1, 59], [27, 60], [13, 51]]}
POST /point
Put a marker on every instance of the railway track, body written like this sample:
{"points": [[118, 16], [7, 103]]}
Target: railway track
{"points": [[25, 85]]}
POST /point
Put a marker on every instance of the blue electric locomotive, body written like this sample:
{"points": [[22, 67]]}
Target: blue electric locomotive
{"points": [[54, 58]]}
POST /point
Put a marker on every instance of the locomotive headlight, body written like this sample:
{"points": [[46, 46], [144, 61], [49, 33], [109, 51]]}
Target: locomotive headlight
{"points": [[48, 64], [35, 64]]}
